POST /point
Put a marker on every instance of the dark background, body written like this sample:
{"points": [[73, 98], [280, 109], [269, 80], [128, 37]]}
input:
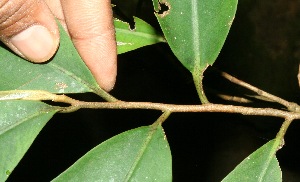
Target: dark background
{"points": [[263, 49]]}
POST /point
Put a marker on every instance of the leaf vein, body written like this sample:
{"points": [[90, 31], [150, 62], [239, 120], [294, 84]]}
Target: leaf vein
{"points": [[195, 31]]}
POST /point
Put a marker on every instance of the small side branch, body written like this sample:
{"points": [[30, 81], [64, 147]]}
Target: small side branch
{"points": [[289, 105], [229, 97]]}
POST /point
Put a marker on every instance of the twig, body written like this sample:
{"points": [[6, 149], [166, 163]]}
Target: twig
{"points": [[77, 104], [228, 97], [183, 108], [234, 98], [289, 105]]}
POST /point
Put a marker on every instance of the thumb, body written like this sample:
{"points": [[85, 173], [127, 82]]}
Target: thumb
{"points": [[29, 29]]}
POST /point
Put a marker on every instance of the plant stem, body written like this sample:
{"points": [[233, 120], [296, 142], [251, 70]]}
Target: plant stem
{"points": [[289, 105], [231, 98], [280, 135], [198, 78], [161, 119], [182, 108], [105, 95], [167, 108]]}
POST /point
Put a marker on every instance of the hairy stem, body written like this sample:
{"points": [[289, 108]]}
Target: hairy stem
{"points": [[199, 87], [280, 135], [161, 119], [167, 108], [106, 96], [182, 108]]}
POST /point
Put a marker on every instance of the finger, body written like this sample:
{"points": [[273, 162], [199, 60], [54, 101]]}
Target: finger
{"points": [[90, 26], [29, 29], [56, 9]]}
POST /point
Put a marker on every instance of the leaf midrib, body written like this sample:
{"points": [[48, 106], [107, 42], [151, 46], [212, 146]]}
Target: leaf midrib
{"points": [[272, 153], [141, 153], [195, 32]]}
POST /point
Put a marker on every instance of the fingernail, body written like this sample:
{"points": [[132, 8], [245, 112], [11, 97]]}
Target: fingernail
{"points": [[35, 43]]}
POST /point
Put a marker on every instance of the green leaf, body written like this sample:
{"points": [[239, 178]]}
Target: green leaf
{"points": [[261, 165], [66, 73], [196, 31], [141, 154], [20, 123], [130, 39]]}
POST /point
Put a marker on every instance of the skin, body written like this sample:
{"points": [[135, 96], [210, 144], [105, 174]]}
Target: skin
{"points": [[28, 28]]}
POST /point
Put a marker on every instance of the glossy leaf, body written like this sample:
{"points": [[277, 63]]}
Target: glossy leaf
{"points": [[66, 73], [130, 39], [141, 154], [261, 165], [196, 30], [20, 123]]}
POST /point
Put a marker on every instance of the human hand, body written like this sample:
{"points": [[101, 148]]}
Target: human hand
{"points": [[28, 27]]}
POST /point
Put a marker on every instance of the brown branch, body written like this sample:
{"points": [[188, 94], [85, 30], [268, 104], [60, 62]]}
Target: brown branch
{"points": [[168, 108], [289, 105], [228, 97], [234, 98], [183, 108]]}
